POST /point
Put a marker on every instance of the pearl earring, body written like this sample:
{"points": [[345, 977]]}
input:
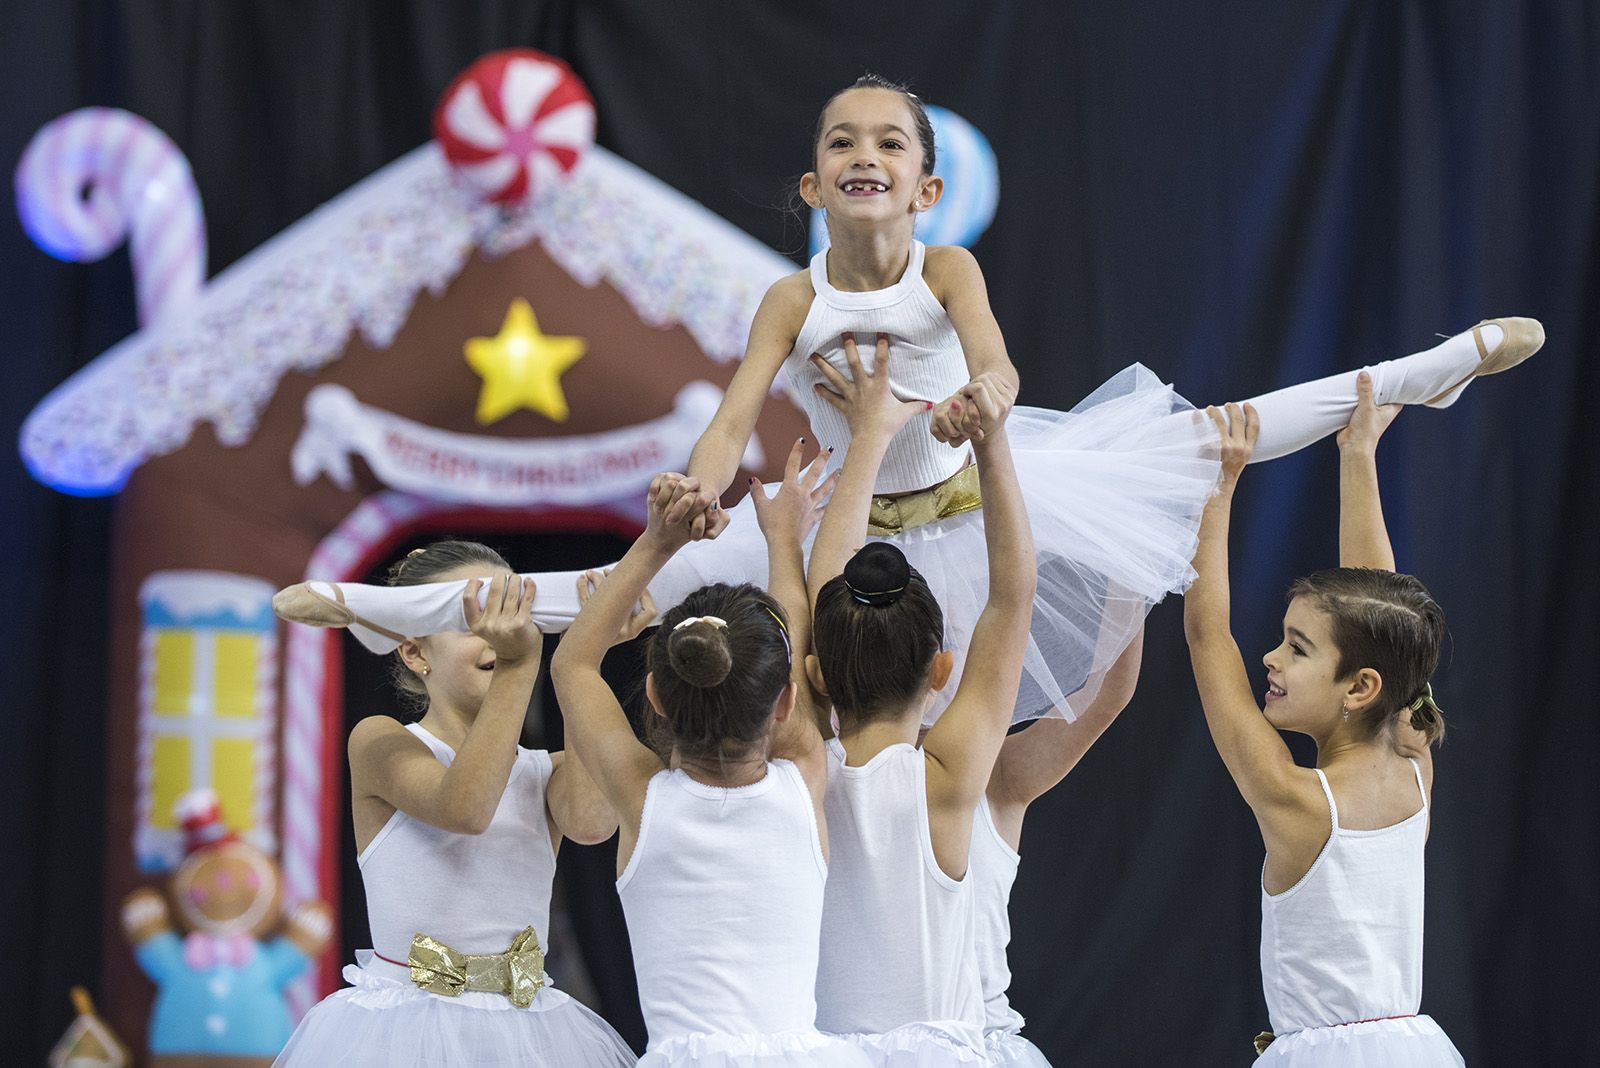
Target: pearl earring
{"points": [[426, 669]]}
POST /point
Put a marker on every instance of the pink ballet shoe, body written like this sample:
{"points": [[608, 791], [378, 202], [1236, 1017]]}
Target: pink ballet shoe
{"points": [[1523, 338], [302, 604]]}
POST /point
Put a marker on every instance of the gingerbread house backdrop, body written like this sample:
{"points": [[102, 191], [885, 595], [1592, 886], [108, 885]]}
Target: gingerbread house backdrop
{"points": [[508, 329]]}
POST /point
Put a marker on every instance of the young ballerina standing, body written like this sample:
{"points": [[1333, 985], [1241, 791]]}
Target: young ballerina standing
{"points": [[457, 829], [1342, 885], [1115, 487], [899, 961], [723, 852]]}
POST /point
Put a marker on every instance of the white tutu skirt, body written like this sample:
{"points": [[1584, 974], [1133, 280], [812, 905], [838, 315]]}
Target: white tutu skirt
{"points": [[379, 1022], [1007, 1049], [1115, 490], [923, 1045], [787, 1049], [1409, 1042]]}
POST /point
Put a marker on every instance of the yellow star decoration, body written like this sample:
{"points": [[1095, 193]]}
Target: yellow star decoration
{"points": [[521, 368]]}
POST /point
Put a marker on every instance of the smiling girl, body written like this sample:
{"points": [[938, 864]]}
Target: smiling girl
{"points": [[1342, 885]]}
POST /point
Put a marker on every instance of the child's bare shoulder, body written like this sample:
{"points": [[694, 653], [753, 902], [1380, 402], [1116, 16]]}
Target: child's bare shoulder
{"points": [[948, 267]]}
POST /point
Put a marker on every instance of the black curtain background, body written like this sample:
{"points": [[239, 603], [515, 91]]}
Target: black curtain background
{"points": [[1241, 196]]}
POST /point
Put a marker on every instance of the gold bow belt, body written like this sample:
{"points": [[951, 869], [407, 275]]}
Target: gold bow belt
{"points": [[518, 973], [956, 494]]}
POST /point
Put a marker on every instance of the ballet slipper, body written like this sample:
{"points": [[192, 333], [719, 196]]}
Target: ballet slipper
{"points": [[1521, 339], [301, 603]]}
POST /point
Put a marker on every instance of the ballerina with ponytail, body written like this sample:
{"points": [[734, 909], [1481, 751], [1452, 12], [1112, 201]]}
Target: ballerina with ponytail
{"points": [[1342, 885], [723, 844]]}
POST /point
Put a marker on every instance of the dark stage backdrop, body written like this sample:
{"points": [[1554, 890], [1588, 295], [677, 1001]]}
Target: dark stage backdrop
{"points": [[1240, 196]]}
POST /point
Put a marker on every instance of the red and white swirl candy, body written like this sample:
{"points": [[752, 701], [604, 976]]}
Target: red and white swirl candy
{"points": [[98, 175], [513, 120]]}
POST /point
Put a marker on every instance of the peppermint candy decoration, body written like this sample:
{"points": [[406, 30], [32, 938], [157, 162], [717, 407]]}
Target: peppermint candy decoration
{"points": [[512, 120]]}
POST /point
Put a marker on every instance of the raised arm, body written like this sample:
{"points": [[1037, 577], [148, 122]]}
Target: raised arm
{"points": [[576, 806], [956, 280], [962, 747], [1034, 759], [598, 731], [1255, 755], [874, 417], [786, 518], [388, 763], [1363, 536]]}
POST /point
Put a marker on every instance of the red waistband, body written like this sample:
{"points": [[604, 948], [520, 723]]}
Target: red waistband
{"points": [[381, 957]]}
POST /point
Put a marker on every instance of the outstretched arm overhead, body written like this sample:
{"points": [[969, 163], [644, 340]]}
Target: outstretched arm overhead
{"points": [[1034, 759], [1363, 536], [786, 518], [1277, 791], [598, 731], [962, 747], [874, 416], [578, 808]]}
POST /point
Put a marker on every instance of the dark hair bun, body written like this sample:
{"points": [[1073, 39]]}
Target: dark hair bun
{"points": [[699, 654], [878, 574]]}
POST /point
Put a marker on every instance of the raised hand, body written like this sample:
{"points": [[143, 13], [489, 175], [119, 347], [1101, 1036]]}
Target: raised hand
{"points": [[671, 511], [505, 622], [1239, 429], [800, 501], [975, 410], [868, 404], [1368, 421], [644, 611]]}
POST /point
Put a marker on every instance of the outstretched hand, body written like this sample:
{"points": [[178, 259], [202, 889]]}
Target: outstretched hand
{"points": [[644, 612], [799, 503], [1239, 428], [974, 411], [1368, 421], [671, 511], [866, 400]]}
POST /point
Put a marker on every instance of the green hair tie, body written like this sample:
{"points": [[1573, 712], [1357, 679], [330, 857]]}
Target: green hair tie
{"points": [[1425, 698]]}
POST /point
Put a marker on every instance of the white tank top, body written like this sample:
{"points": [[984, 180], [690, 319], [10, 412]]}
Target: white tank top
{"points": [[1344, 944], [473, 892], [928, 362], [723, 897], [993, 870], [897, 932]]}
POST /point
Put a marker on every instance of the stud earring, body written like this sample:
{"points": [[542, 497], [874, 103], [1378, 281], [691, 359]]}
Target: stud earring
{"points": [[426, 670]]}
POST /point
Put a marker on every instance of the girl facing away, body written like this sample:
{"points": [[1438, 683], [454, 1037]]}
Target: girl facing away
{"points": [[723, 845], [1342, 885], [899, 964], [457, 829], [1115, 487]]}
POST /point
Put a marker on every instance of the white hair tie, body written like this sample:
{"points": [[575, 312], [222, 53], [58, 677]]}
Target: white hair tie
{"points": [[713, 620]]}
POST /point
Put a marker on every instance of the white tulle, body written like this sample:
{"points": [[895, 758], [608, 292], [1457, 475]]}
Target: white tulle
{"points": [[790, 1049], [1410, 1042], [923, 1045], [1114, 488], [379, 1022], [1007, 1049]]}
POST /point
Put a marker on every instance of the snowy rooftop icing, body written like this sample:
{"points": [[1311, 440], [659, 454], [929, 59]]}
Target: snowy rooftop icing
{"points": [[357, 264]]}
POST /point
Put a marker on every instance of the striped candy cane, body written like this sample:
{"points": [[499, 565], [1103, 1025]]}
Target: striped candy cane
{"points": [[98, 175]]}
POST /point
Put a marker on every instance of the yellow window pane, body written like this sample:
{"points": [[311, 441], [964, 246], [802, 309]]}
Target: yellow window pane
{"points": [[174, 654], [233, 771], [170, 763], [236, 674]]}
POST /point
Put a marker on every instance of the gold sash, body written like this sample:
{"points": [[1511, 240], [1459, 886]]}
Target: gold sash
{"points": [[956, 494], [518, 973]]}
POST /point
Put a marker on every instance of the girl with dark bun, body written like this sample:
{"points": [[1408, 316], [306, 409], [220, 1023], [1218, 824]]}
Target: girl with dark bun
{"points": [[724, 848]]}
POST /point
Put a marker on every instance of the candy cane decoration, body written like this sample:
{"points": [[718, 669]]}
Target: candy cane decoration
{"points": [[98, 175], [512, 120]]}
